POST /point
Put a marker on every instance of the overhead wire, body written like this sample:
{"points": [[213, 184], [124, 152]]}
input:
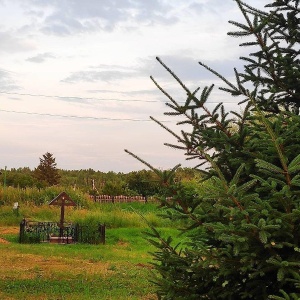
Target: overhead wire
{"points": [[75, 117], [84, 98], [93, 98], [78, 98]]}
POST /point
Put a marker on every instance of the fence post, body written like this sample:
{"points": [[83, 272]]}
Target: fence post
{"points": [[102, 233], [76, 233], [22, 231]]}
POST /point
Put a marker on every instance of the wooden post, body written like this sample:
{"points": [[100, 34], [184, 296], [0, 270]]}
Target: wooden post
{"points": [[62, 217], [62, 200]]}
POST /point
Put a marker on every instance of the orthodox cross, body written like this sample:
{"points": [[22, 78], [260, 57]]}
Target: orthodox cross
{"points": [[62, 200]]}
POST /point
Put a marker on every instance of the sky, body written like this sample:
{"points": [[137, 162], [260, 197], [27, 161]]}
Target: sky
{"points": [[75, 77]]}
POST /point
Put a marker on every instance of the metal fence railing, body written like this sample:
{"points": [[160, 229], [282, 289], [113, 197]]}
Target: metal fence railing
{"points": [[38, 232]]}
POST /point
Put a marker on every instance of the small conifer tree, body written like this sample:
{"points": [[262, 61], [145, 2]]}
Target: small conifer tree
{"points": [[244, 227]]}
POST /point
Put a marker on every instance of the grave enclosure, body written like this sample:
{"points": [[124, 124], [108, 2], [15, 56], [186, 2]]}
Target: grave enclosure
{"points": [[60, 232]]}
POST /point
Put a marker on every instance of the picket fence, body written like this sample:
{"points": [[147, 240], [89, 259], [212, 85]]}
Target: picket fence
{"points": [[120, 199]]}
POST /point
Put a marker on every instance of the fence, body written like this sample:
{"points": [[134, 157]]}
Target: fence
{"points": [[90, 234], [120, 199], [37, 232]]}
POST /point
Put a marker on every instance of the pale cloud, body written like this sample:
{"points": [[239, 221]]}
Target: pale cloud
{"points": [[11, 43], [40, 58], [95, 76], [71, 17], [102, 72], [128, 93], [187, 68], [6, 81]]}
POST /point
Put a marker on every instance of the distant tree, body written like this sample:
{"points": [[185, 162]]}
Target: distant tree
{"points": [[114, 188], [145, 183], [46, 172], [21, 177]]}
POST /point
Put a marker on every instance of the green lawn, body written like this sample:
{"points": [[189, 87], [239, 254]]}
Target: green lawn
{"points": [[120, 269]]}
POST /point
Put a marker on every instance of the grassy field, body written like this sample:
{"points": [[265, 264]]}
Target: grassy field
{"points": [[120, 269]]}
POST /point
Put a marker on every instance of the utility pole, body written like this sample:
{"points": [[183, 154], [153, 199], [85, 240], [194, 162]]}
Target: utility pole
{"points": [[4, 183], [4, 178]]}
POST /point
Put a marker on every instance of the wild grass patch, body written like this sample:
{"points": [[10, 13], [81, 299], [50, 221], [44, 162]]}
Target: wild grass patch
{"points": [[118, 270]]}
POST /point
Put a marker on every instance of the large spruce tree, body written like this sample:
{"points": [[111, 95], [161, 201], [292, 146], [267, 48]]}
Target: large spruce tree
{"points": [[47, 172], [244, 227]]}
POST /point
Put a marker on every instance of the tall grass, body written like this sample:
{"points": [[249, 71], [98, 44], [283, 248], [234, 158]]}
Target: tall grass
{"points": [[35, 196], [113, 215]]}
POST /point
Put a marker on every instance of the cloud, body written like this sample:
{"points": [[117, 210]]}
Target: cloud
{"points": [[185, 67], [101, 73], [40, 58], [151, 92], [130, 93], [11, 44], [64, 17], [6, 82], [188, 68], [71, 17]]}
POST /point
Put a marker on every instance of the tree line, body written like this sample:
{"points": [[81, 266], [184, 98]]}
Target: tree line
{"points": [[143, 182]]}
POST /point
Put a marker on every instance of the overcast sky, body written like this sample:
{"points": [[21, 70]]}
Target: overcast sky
{"points": [[74, 76]]}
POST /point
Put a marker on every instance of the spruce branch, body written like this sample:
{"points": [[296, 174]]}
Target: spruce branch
{"points": [[163, 91], [144, 162], [274, 139], [157, 235], [168, 129], [174, 75], [243, 11], [219, 76]]}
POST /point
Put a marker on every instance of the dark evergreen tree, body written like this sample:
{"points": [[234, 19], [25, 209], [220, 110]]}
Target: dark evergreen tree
{"points": [[244, 228], [46, 172]]}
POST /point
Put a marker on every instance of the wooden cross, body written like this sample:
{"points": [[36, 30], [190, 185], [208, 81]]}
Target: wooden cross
{"points": [[62, 200]]}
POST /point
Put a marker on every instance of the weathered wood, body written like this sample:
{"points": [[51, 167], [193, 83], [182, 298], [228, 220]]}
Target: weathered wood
{"points": [[62, 200]]}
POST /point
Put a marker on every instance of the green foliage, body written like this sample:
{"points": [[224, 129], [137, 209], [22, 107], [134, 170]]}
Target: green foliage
{"points": [[143, 182], [89, 181], [21, 177], [243, 224]]}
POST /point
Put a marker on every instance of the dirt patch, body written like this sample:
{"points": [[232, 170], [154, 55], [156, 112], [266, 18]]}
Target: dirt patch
{"points": [[29, 266], [123, 244], [146, 266], [9, 230], [3, 241]]}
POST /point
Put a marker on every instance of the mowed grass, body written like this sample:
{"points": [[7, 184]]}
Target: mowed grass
{"points": [[120, 269]]}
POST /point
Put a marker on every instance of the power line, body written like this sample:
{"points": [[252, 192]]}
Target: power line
{"points": [[78, 98], [98, 99], [82, 98], [76, 117]]}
